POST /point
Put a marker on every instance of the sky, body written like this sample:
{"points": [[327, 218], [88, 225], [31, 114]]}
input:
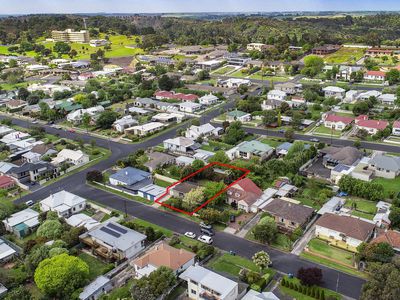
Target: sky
{"points": [[169, 6]]}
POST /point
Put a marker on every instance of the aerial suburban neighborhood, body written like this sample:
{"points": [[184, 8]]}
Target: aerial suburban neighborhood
{"points": [[148, 154]]}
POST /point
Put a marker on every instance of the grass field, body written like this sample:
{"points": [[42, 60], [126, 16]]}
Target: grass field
{"points": [[232, 264], [96, 266], [119, 48], [269, 78], [271, 142], [223, 70], [345, 55], [390, 186], [362, 205]]}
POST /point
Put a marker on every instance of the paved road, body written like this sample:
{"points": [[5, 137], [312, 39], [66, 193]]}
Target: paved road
{"points": [[284, 262]]}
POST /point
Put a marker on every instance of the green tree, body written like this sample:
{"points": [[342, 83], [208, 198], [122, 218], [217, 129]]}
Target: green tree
{"points": [[61, 48], [394, 217], [61, 275], [234, 133], [19, 293], [51, 229], [219, 156], [375, 252], [313, 65], [106, 119], [194, 197], [266, 230]]}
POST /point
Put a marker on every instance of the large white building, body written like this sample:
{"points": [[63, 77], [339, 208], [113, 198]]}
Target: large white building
{"points": [[205, 284], [75, 157], [69, 35]]}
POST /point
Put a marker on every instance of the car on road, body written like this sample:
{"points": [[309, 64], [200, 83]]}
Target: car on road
{"points": [[282, 131], [314, 140], [29, 203], [71, 130], [205, 239], [190, 234], [57, 127], [209, 232], [206, 226], [34, 122]]}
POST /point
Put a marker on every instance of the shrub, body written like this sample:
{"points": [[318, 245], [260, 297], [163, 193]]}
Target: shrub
{"points": [[256, 287]]}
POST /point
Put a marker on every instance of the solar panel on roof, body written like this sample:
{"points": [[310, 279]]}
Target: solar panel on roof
{"points": [[117, 228], [110, 232]]}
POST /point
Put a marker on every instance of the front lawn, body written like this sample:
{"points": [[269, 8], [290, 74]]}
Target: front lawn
{"points": [[323, 248], [223, 70], [327, 131], [272, 142], [162, 183], [232, 264]]}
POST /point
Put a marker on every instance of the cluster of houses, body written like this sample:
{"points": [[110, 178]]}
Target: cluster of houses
{"points": [[30, 160]]}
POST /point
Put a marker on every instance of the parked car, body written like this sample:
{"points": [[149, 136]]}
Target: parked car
{"points": [[205, 239], [205, 226], [314, 140], [190, 234], [71, 130], [209, 232], [29, 203], [232, 218]]}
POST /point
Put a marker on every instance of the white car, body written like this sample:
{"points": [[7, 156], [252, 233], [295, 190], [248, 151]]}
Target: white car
{"points": [[190, 235], [205, 239]]}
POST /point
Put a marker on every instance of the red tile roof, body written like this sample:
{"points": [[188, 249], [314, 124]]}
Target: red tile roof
{"points": [[396, 124], [375, 73], [6, 181], [335, 118], [362, 117], [249, 186], [391, 237], [376, 124], [251, 191]]}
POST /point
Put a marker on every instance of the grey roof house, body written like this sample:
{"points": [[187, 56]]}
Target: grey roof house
{"points": [[385, 166]]}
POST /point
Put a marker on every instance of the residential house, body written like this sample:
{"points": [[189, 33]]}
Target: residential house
{"points": [[378, 52], [145, 129], [190, 107], [184, 161], [64, 203], [162, 254], [250, 149], [209, 65], [205, 284], [289, 88], [371, 126], [204, 131], [385, 166], [289, 214], [82, 220], [254, 295], [130, 177], [182, 188], [5, 167], [22, 223], [113, 241], [209, 99], [325, 49], [392, 237], [374, 76], [276, 95], [165, 95], [96, 288], [258, 47], [6, 182], [7, 253], [337, 122], [123, 123], [332, 205], [43, 150], [16, 105], [396, 128], [368, 94], [180, 144], [236, 60], [32, 172], [381, 218], [31, 157], [346, 71], [233, 82], [158, 160], [243, 194], [335, 92], [284, 148], [237, 115], [387, 99], [343, 231], [74, 157], [168, 117], [4, 130], [333, 156], [351, 96]]}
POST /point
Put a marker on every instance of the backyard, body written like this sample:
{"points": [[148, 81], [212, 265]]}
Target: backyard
{"points": [[362, 208], [390, 186], [96, 266]]}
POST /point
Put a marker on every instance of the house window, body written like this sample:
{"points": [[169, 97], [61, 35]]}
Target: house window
{"points": [[293, 223], [282, 220], [193, 292], [193, 282]]}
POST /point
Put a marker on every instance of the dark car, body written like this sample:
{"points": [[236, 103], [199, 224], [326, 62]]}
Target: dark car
{"points": [[208, 232], [232, 218]]}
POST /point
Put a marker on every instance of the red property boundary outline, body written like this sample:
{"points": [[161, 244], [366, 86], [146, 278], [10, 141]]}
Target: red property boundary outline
{"points": [[246, 172]]}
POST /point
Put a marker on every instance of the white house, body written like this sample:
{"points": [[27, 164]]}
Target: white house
{"points": [[385, 166], [75, 157], [206, 284], [396, 128], [237, 115], [189, 107], [149, 128], [64, 203], [387, 99], [6, 253], [179, 144], [337, 122], [366, 95], [205, 130], [76, 116], [209, 99], [276, 95], [375, 75], [125, 122], [334, 91], [347, 232], [234, 82], [22, 223], [351, 96]]}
